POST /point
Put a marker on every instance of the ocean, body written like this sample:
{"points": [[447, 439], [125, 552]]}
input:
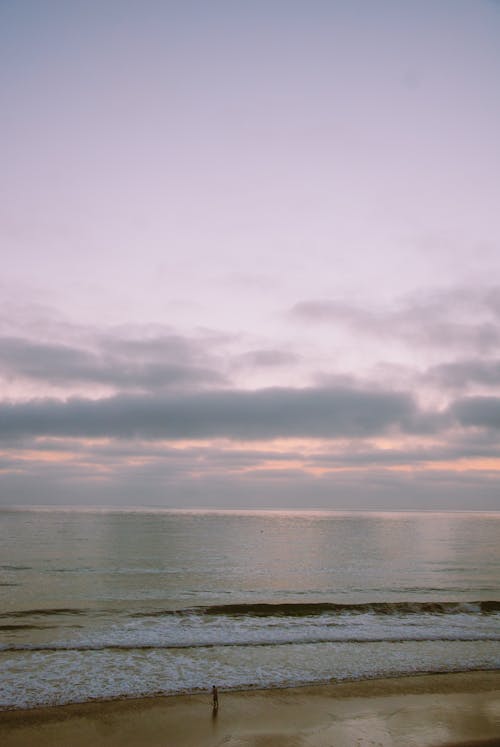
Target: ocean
{"points": [[111, 603]]}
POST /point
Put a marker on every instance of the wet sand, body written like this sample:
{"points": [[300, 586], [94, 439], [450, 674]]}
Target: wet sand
{"points": [[420, 711]]}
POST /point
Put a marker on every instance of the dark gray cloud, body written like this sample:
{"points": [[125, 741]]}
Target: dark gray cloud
{"points": [[478, 412], [151, 364], [266, 413], [459, 374]]}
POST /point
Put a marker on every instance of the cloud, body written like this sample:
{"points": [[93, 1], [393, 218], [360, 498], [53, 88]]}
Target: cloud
{"points": [[65, 360], [169, 486], [432, 470], [146, 364], [459, 374], [261, 414], [478, 412], [457, 318], [268, 358], [223, 456], [170, 424]]}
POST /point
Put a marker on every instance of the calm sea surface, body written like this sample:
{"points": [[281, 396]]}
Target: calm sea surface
{"points": [[118, 603]]}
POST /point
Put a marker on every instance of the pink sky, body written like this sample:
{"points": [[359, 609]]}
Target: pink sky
{"points": [[250, 254]]}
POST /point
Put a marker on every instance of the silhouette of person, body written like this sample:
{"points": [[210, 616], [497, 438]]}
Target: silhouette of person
{"points": [[215, 699]]}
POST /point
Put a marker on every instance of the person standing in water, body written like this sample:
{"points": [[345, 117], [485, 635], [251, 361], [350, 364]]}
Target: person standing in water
{"points": [[215, 699]]}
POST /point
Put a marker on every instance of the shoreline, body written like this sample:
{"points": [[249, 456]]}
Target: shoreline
{"points": [[422, 710], [410, 683]]}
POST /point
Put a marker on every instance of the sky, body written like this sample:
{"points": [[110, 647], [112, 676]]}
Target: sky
{"points": [[250, 253]]}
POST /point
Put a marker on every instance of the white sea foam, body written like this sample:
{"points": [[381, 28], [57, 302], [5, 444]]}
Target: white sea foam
{"points": [[74, 676]]}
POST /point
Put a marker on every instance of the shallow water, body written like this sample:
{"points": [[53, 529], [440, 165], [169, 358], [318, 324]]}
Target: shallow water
{"points": [[111, 603]]}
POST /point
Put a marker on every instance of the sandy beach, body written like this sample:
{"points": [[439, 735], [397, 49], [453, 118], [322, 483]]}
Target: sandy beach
{"points": [[445, 709]]}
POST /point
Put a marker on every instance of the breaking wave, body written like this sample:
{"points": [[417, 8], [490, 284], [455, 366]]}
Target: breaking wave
{"points": [[290, 609]]}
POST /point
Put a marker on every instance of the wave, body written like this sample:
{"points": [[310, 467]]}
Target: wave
{"points": [[284, 609], [54, 647], [44, 612], [378, 608], [310, 609], [21, 626]]}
